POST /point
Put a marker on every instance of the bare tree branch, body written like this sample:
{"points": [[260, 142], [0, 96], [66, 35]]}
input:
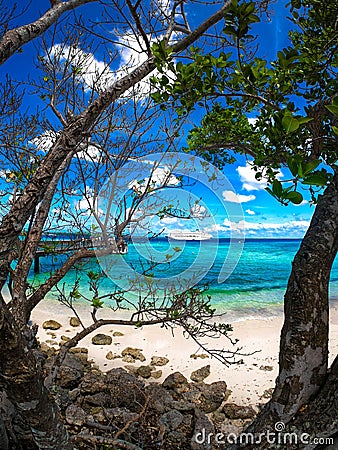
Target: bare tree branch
{"points": [[17, 37]]}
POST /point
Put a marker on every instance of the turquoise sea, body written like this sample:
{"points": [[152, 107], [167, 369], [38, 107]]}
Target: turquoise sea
{"points": [[254, 287]]}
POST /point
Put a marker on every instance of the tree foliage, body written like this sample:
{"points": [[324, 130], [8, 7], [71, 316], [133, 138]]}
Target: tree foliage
{"points": [[281, 112]]}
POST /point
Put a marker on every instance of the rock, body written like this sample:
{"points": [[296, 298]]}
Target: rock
{"points": [[98, 399], [92, 383], [77, 350], [52, 335], [110, 355], [156, 374], [69, 377], [74, 394], [200, 374], [125, 390], [117, 416], [233, 411], [74, 322], [159, 361], [81, 353], [117, 334], [135, 353], [199, 355], [176, 381], [74, 362], [266, 368], [171, 420], [71, 372], [131, 369], [49, 351], [207, 397], [203, 427], [229, 427], [75, 415], [128, 359], [161, 400], [102, 339], [144, 371], [268, 393], [51, 325]]}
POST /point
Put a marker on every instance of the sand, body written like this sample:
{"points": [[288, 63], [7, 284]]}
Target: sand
{"points": [[249, 381]]}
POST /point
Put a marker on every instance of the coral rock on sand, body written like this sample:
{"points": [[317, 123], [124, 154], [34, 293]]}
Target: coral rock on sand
{"points": [[102, 339], [74, 322], [233, 411], [110, 355], [200, 374], [199, 355], [176, 381], [144, 371], [135, 353], [156, 374], [51, 325], [117, 333], [266, 368], [159, 361]]}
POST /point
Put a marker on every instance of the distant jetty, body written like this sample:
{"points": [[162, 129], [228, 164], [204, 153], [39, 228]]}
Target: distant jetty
{"points": [[50, 246]]}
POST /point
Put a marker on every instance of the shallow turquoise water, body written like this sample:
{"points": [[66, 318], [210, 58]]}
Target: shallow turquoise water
{"points": [[255, 286]]}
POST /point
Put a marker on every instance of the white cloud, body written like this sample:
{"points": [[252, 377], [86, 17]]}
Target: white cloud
{"points": [[161, 176], [250, 212], [268, 227], [247, 177], [232, 197], [252, 120], [45, 141], [169, 220], [304, 202], [164, 6], [93, 72]]}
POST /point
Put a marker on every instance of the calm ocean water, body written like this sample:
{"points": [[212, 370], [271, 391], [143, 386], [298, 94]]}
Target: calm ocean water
{"points": [[254, 288]]}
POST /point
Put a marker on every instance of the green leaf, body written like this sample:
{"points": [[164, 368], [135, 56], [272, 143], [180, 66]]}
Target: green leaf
{"points": [[333, 109], [302, 120], [293, 166], [316, 179], [277, 188], [295, 197], [290, 123], [310, 166]]}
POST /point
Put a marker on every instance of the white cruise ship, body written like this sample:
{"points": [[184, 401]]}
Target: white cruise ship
{"points": [[189, 235]]}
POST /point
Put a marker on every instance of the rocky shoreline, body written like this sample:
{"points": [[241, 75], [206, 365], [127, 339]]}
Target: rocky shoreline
{"points": [[120, 409]]}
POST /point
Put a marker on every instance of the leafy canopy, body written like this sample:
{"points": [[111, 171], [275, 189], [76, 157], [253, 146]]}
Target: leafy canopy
{"points": [[282, 112]]}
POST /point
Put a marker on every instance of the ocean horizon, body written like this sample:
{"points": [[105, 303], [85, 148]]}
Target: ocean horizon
{"points": [[254, 288]]}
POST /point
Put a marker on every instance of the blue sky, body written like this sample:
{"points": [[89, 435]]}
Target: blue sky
{"points": [[262, 216], [243, 206]]}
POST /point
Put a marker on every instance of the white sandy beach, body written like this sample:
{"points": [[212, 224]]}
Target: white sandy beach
{"points": [[248, 381]]}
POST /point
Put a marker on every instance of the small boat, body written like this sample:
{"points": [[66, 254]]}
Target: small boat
{"points": [[189, 235]]}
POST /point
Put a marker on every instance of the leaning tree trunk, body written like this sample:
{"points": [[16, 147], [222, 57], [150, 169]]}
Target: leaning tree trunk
{"points": [[21, 379], [303, 354]]}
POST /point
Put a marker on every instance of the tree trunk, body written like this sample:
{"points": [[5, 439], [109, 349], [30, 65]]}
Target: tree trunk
{"points": [[21, 378], [303, 355]]}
